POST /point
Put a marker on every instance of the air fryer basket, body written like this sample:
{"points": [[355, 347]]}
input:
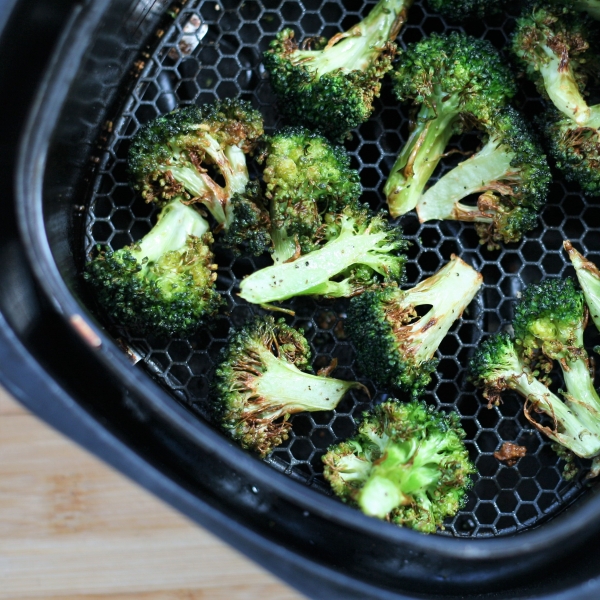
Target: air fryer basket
{"points": [[179, 53], [214, 51]]}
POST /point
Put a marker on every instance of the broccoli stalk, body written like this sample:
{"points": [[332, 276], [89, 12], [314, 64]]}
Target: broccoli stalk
{"points": [[588, 276], [360, 248], [331, 86], [395, 347], [163, 284], [511, 176], [451, 78], [496, 367], [261, 381], [592, 7], [407, 463], [198, 153]]}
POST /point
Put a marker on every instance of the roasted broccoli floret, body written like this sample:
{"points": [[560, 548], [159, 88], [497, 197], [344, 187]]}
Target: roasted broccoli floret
{"points": [[329, 85], [198, 153], [262, 380], [407, 464], [457, 10], [509, 173], [575, 150], [394, 346], [164, 284], [496, 367], [552, 46], [450, 78], [588, 276], [306, 178], [359, 251]]}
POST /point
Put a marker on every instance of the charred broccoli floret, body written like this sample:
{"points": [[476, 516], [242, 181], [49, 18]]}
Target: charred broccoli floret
{"points": [[394, 346], [509, 173], [306, 177], [588, 276], [198, 153], [450, 78], [329, 85], [552, 46], [558, 50], [262, 380], [496, 367], [575, 150], [163, 284], [407, 463], [359, 251], [457, 10]]}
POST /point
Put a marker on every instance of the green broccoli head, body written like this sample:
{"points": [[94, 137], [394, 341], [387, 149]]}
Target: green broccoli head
{"points": [[164, 284], [330, 85], [262, 379], [306, 176], [248, 231], [407, 463], [575, 150], [359, 251], [457, 10], [452, 78], [552, 46], [550, 318], [394, 346], [187, 152], [509, 173]]}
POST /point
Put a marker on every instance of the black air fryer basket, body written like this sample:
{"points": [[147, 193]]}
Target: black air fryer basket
{"points": [[143, 403]]}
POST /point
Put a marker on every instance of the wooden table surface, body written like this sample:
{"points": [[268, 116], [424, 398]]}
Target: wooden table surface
{"points": [[73, 528]]}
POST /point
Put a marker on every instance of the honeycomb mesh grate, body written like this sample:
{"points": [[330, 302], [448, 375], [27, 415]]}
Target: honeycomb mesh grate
{"points": [[213, 50]]}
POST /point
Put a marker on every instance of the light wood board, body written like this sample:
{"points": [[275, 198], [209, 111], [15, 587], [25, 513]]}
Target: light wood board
{"points": [[73, 528]]}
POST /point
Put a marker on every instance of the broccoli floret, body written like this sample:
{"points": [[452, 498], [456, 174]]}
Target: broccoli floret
{"points": [[588, 276], [457, 10], [407, 464], [164, 284], [198, 153], [330, 85], [306, 177], [359, 252], [575, 150], [262, 380], [552, 45], [511, 176], [496, 367], [451, 78], [396, 347]]}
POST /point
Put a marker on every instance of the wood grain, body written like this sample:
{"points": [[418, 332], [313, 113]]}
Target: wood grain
{"points": [[72, 528]]}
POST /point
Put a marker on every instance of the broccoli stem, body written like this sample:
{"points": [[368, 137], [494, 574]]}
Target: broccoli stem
{"points": [[589, 280], [562, 89], [420, 156], [592, 7], [310, 274], [582, 398], [457, 283], [294, 391], [176, 222], [570, 427], [357, 48], [479, 173]]}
